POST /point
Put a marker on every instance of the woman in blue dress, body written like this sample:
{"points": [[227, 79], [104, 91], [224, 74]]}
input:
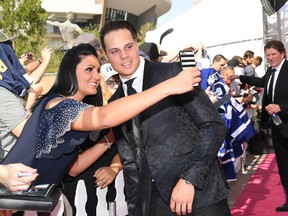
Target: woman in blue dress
{"points": [[49, 139]]}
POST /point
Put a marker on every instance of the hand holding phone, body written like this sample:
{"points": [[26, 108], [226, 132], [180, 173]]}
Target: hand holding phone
{"points": [[29, 56], [187, 59]]}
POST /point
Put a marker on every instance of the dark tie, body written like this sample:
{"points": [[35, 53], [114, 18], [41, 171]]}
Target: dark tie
{"points": [[131, 91], [141, 159], [270, 90]]}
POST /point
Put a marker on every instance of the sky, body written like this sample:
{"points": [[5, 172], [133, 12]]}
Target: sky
{"points": [[178, 8]]}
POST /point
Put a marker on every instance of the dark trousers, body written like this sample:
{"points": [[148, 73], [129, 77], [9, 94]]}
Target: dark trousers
{"points": [[159, 208], [280, 144]]}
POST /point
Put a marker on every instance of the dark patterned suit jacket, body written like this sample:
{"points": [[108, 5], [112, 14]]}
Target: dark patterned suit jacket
{"points": [[280, 95], [181, 136]]}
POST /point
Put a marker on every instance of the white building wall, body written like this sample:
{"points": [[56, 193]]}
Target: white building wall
{"points": [[83, 6], [228, 27]]}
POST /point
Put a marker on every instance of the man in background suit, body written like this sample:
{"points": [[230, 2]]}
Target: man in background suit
{"points": [[169, 152], [275, 101]]}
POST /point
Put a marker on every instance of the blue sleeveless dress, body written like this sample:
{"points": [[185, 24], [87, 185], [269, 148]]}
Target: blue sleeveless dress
{"points": [[47, 142]]}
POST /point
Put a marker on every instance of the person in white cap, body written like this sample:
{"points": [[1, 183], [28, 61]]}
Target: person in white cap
{"points": [[111, 77]]}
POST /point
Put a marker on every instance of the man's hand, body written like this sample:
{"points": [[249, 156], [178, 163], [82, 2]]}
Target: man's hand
{"points": [[10, 176], [272, 108], [211, 95], [182, 198], [233, 77], [247, 98], [185, 80]]}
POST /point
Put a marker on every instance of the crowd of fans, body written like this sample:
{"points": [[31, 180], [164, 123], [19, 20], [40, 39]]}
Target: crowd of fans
{"points": [[233, 100]]}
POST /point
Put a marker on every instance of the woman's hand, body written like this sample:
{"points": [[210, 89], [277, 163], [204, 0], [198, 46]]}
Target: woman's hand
{"points": [[104, 176]]}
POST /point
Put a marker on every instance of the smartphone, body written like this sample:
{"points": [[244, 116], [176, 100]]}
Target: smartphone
{"points": [[29, 56], [187, 59]]}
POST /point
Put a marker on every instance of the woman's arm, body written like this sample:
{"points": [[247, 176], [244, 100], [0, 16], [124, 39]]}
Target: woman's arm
{"points": [[89, 156], [123, 109], [116, 164], [34, 92]]}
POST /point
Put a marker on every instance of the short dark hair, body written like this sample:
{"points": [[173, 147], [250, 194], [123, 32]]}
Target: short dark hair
{"points": [[218, 58], [115, 25], [277, 45], [247, 54]]}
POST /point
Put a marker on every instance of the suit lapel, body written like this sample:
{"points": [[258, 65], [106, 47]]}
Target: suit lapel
{"points": [[126, 129], [119, 93], [268, 74], [144, 116], [147, 83], [281, 80]]}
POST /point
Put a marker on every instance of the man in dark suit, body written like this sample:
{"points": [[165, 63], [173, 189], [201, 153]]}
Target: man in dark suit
{"points": [[275, 101], [169, 152]]}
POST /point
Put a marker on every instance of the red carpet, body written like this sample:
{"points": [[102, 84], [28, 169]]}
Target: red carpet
{"points": [[263, 192]]}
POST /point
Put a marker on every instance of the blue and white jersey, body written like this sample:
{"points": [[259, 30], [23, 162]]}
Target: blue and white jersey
{"points": [[210, 77], [205, 74], [242, 129], [239, 130], [220, 88], [239, 127]]}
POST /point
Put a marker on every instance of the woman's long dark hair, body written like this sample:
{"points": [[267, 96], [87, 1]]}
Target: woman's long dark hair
{"points": [[66, 82]]}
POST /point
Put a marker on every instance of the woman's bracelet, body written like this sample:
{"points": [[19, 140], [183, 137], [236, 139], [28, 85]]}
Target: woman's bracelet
{"points": [[108, 144]]}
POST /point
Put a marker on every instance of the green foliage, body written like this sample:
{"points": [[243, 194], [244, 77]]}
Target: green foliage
{"points": [[56, 56], [27, 19], [54, 63], [142, 32], [93, 29]]}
